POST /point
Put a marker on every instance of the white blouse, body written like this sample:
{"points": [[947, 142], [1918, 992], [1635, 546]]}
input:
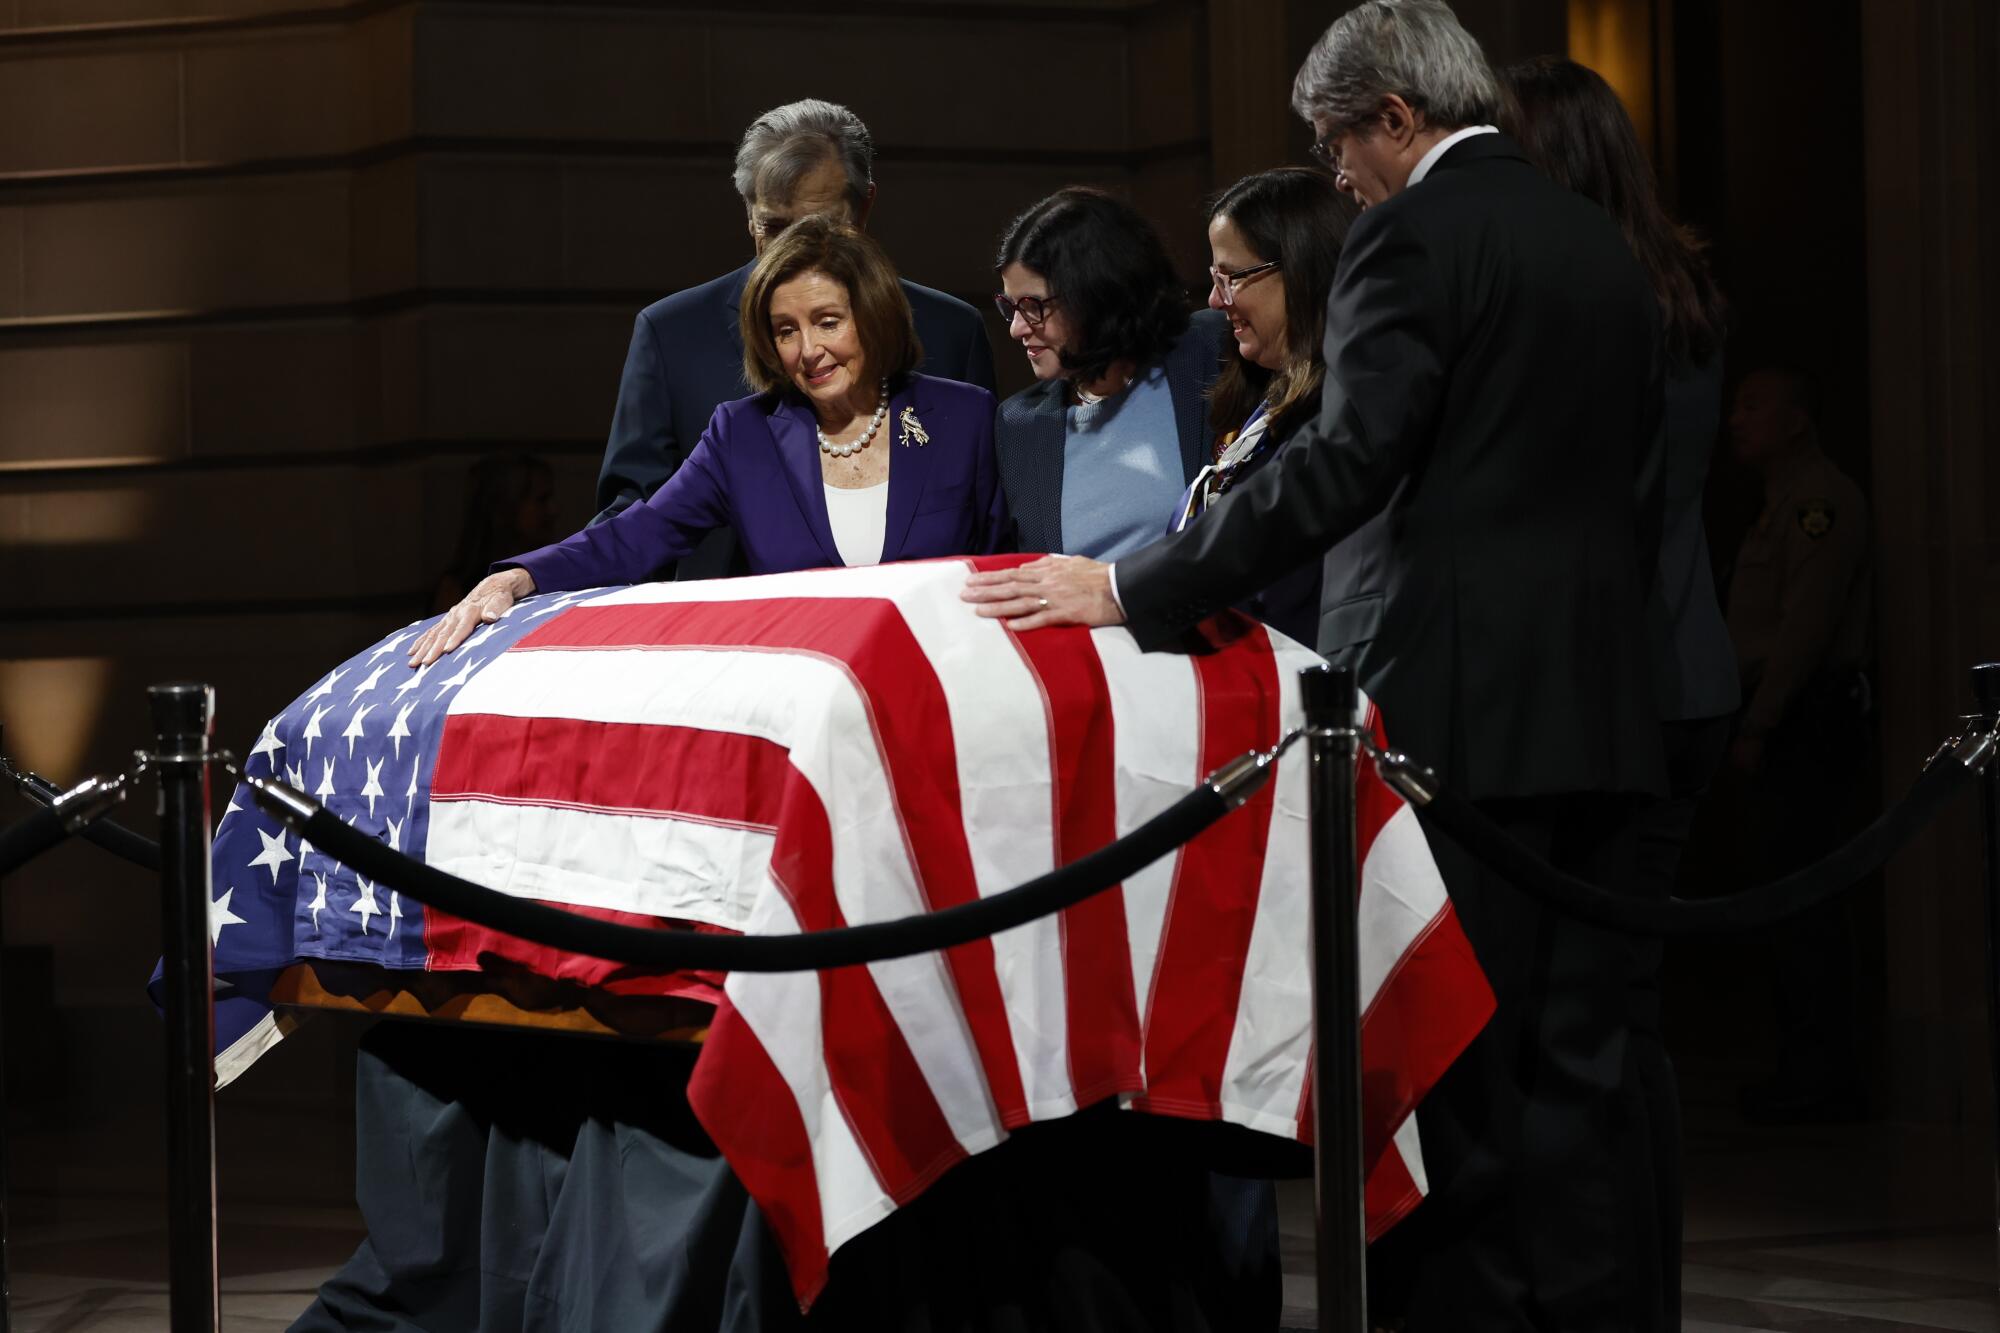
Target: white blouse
{"points": [[858, 518]]}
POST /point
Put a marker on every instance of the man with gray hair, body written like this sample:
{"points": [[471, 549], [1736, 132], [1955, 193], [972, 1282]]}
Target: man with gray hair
{"points": [[1484, 481], [686, 355]]}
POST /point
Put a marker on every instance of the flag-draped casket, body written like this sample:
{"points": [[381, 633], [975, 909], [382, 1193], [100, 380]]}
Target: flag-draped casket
{"points": [[805, 751]]}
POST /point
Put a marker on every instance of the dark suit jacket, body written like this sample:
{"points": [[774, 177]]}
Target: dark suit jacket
{"points": [[1291, 604], [1487, 454], [1697, 676], [756, 471], [1033, 425], [687, 356]]}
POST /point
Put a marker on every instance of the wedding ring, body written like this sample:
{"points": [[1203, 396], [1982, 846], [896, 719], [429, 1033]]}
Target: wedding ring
{"points": [[1044, 602]]}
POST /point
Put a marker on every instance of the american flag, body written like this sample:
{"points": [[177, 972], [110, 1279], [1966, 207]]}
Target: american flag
{"points": [[804, 751]]}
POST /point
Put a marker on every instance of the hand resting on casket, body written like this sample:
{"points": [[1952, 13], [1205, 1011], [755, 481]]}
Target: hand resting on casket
{"points": [[489, 599]]}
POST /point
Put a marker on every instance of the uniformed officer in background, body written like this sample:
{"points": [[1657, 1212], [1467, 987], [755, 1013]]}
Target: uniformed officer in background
{"points": [[1799, 616]]}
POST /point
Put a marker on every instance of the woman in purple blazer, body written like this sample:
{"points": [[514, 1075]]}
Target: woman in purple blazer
{"points": [[844, 456]]}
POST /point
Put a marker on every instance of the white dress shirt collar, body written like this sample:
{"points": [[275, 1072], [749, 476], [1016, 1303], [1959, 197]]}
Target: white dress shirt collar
{"points": [[1438, 149]]}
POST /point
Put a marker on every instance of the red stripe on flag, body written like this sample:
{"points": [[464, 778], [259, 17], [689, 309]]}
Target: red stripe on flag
{"points": [[1213, 905], [618, 767], [1428, 1010], [880, 1087], [458, 945], [740, 1097], [1103, 1012], [912, 729]]}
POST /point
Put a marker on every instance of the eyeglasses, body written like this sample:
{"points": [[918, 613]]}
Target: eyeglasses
{"points": [[1033, 309], [1227, 283], [1326, 151]]}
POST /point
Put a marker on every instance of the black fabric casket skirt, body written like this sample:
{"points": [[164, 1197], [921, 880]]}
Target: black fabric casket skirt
{"points": [[520, 1181]]}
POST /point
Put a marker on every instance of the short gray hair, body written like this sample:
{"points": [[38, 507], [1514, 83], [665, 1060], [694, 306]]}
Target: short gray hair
{"points": [[783, 145], [1415, 49]]}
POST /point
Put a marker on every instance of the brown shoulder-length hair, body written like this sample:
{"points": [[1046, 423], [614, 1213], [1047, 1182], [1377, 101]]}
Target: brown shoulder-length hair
{"points": [[1296, 216], [882, 318], [1573, 125]]}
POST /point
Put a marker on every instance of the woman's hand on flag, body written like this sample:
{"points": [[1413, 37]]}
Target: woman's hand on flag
{"points": [[489, 600]]}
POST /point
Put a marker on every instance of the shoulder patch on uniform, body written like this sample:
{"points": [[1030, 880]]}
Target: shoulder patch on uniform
{"points": [[1816, 518]]}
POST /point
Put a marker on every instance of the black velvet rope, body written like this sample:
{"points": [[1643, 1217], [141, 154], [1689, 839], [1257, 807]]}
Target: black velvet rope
{"points": [[806, 952], [1749, 909], [108, 834], [25, 839]]}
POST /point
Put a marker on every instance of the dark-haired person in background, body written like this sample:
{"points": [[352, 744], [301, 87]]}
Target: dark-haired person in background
{"points": [[1098, 451], [1274, 243], [509, 507], [686, 356], [1799, 600], [1573, 125], [1488, 436]]}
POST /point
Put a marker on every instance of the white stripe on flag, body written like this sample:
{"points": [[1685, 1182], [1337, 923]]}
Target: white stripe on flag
{"points": [[1401, 895], [1263, 1076], [1155, 765], [690, 869], [1409, 1146]]}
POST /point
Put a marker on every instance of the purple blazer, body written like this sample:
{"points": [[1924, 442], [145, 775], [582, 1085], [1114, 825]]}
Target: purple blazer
{"points": [[756, 468]]}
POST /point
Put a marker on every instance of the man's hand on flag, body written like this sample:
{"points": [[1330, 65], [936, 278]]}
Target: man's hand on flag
{"points": [[490, 599], [1055, 590]]}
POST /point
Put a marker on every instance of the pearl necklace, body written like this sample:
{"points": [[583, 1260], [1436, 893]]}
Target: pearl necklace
{"points": [[832, 450]]}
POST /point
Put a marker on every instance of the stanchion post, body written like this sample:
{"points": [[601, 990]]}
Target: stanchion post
{"points": [[1339, 1217], [183, 718], [1986, 691]]}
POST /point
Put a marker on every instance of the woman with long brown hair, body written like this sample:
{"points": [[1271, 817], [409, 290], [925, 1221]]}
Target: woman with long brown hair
{"points": [[1572, 123], [1274, 242]]}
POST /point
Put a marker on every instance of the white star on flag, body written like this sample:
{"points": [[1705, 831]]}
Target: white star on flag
{"points": [[364, 906], [311, 732], [325, 782], [414, 679], [482, 636], [219, 915], [373, 787], [397, 729], [464, 674], [268, 743], [273, 855], [318, 903], [295, 776], [396, 834], [232, 809], [369, 683], [392, 644], [325, 686], [354, 732], [395, 911]]}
